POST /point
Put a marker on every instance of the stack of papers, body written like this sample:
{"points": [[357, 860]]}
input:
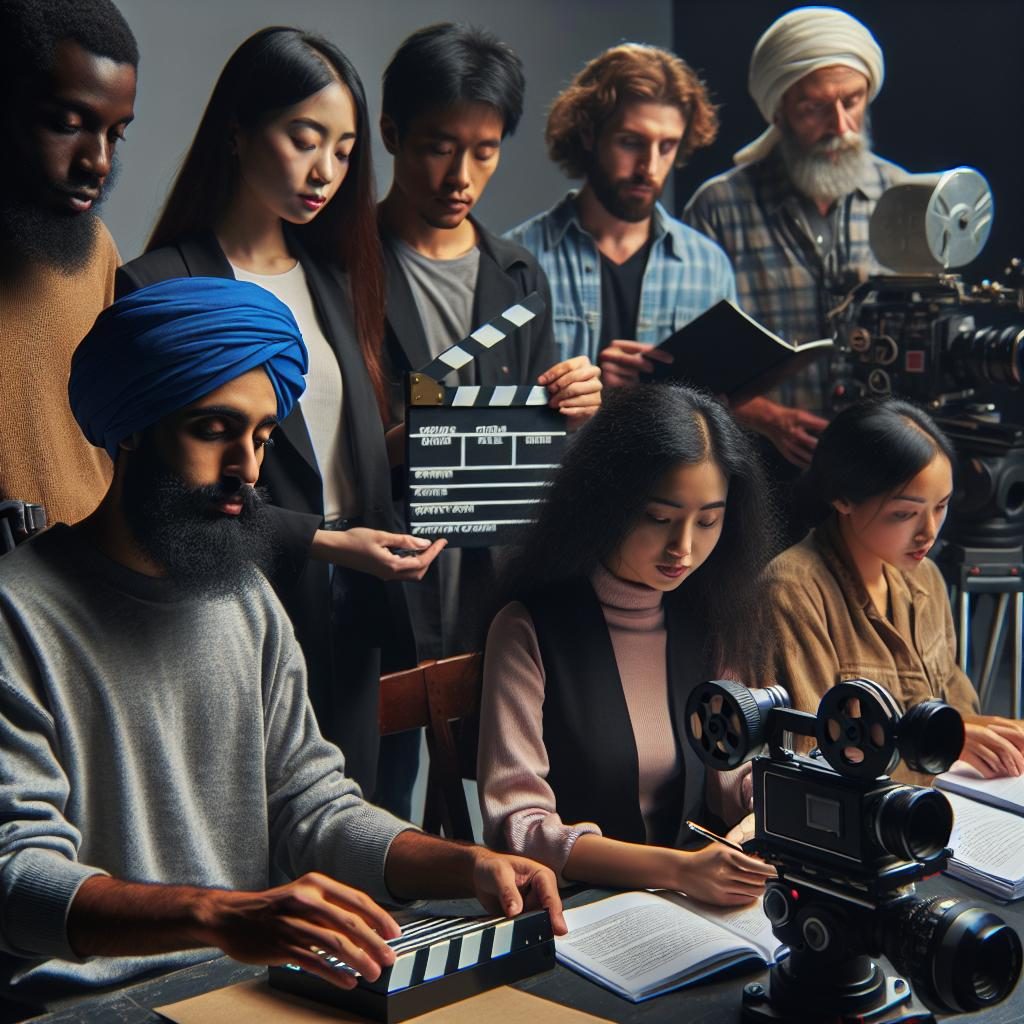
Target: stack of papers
{"points": [[988, 847]]}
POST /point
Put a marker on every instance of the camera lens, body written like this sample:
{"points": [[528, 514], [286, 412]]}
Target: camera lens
{"points": [[958, 958], [931, 736], [912, 823], [992, 354]]}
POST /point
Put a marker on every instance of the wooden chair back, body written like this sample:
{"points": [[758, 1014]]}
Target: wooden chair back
{"points": [[443, 697]]}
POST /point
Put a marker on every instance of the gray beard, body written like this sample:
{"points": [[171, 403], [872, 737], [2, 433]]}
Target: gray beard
{"points": [[816, 174]]}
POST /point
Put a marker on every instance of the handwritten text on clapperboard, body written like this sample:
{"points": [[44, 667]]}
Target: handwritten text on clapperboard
{"points": [[477, 475]]}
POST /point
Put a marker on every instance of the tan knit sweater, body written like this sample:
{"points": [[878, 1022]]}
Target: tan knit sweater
{"points": [[43, 315]]}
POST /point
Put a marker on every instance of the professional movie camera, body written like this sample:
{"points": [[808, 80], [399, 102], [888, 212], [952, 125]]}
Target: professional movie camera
{"points": [[848, 844], [918, 332]]}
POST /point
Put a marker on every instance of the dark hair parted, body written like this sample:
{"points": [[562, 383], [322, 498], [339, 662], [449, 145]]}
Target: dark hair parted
{"points": [[602, 487], [871, 449], [271, 71], [443, 65], [30, 31], [630, 72]]}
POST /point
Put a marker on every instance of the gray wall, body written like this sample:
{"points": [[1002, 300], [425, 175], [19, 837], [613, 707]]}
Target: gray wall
{"points": [[184, 44]]}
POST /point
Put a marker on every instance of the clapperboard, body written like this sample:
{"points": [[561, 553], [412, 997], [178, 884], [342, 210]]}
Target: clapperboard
{"points": [[439, 961], [479, 458]]}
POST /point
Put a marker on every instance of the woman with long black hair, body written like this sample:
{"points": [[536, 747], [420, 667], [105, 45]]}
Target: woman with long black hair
{"points": [[278, 189], [858, 598], [583, 759]]}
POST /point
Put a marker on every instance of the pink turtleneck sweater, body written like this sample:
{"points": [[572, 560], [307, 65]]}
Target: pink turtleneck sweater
{"points": [[517, 804]]}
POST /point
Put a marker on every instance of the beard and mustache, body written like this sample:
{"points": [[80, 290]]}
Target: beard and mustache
{"points": [[610, 193], [207, 553], [829, 169], [32, 233]]}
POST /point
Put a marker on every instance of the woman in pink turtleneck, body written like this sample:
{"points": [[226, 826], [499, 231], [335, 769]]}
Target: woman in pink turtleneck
{"points": [[583, 760]]}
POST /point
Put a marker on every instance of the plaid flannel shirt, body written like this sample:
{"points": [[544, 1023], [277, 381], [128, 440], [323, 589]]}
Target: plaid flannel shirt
{"points": [[785, 279], [685, 275]]}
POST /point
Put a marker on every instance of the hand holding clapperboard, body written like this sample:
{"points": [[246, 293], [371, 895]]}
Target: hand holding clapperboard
{"points": [[479, 458]]}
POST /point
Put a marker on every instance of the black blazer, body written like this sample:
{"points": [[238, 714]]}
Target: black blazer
{"points": [[291, 476], [507, 274]]}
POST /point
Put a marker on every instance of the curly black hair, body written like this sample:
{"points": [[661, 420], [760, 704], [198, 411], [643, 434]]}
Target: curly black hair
{"points": [[602, 487]]}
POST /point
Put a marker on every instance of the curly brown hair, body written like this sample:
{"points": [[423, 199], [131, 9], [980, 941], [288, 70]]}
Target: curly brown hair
{"points": [[632, 71]]}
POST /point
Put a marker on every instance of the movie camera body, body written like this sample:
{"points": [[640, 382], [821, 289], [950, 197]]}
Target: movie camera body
{"points": [[918, 332], [848, 844]]}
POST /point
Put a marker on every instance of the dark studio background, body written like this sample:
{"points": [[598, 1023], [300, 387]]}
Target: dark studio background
{"points": [[953, 93]]}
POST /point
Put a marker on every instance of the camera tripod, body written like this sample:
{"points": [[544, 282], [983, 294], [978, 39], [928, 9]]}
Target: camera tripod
{"points": [[857, 992], [997, 571]]}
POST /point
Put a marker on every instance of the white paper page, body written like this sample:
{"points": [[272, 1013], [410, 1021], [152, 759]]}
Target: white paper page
{"points": [[749, 922], [638, 943], [986, 838], [1005, 792]]}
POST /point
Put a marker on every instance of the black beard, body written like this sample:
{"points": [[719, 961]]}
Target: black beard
{"points": [[206, 553], [34, 234], [607, 192]]}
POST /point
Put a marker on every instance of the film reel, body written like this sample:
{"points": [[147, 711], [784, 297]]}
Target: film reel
{"points": [[727, 721], [930, 223], [856, 729]]}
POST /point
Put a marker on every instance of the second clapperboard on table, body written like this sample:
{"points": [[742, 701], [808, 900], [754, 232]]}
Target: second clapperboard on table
{"points": [[479, 458]]}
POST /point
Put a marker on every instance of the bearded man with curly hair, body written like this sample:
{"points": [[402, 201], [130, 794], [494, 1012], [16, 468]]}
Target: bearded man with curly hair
{"points": [[625, 274]]}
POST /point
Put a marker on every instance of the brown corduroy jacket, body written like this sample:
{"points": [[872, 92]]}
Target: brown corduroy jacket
{"points": [[829, 630]]}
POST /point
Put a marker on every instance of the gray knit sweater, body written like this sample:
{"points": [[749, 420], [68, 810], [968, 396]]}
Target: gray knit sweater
{"points": [[159, 740]]}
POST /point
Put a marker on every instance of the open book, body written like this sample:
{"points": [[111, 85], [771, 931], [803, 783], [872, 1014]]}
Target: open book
{"points": [[641, 944], [729, 353], [988, 848], [1006, 793]]}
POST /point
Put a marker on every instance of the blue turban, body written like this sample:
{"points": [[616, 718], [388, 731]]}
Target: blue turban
{"points": [[168, 344]]}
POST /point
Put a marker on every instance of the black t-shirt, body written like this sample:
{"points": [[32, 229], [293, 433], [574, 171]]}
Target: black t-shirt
{"points": [[620, 295]]}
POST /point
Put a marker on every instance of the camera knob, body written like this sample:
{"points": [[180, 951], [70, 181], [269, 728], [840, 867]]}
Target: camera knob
{"points": [[816, 934], [776, 906]]}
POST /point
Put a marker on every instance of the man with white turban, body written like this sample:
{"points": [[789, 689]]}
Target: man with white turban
{"points": [[793, 214], [161, 762]]}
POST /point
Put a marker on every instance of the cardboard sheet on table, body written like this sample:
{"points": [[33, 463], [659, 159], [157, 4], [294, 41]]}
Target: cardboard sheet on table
{"points": [[256, 1003]]}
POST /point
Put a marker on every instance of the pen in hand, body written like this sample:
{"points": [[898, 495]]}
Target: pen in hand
{"points": [[708, 834]]}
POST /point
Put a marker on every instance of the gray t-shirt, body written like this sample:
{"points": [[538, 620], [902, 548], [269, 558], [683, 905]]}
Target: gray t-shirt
{"points": [[157, 739], [443, 291]]}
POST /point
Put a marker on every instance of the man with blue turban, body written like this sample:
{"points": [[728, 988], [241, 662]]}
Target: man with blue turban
{"points": [[161, 761], [793, 214]]}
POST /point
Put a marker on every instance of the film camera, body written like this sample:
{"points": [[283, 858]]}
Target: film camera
{"points": [[920, 333], [848, 844]]}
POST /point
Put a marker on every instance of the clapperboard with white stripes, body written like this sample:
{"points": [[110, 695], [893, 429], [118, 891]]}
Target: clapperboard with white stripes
{"points": [[438, 961], [479, 458]]}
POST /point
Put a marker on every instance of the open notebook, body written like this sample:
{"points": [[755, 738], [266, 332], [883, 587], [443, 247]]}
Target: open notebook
{"points": [[728, 352], [641, 944], [1005, 793]]}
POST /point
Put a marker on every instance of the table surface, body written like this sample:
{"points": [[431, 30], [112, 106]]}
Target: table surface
{"points": [[712, 1002]]}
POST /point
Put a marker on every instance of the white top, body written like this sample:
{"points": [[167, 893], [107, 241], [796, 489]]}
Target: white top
{"points": [[323, 400]]}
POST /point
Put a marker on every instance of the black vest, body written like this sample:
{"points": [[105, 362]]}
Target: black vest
{"points": [[592, 753]]}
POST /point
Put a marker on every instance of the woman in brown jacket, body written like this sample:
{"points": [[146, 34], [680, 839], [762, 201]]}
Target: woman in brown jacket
{"points": [[858, 598]]}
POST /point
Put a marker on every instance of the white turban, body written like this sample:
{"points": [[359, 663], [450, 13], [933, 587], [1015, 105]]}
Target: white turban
{"points": [[798, 43]]}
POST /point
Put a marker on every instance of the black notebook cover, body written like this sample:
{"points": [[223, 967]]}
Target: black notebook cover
{"points": [[728, 353]]}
